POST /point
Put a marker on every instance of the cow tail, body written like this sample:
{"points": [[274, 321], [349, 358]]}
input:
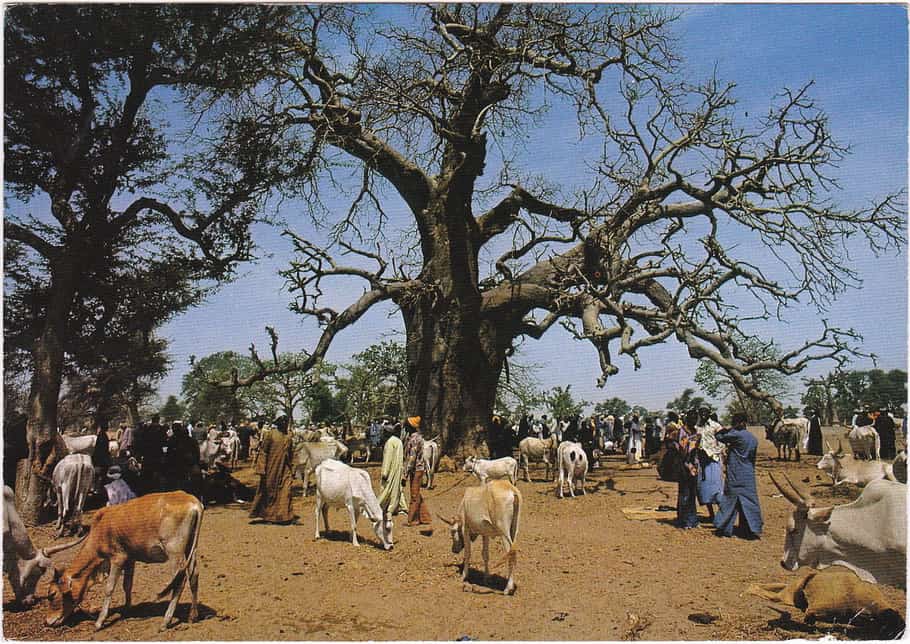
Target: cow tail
{"points": [[516, 513], [878, 446], [189, 566]]}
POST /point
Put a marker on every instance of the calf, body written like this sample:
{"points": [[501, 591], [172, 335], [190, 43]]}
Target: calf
{"points": [[786, 434], [22, 562], [538, 449], [852, 471], [864, 441], [430, 459], [486, 469], [340, 485], [361, 446], [868, 536], [72, 480], [573, 463], [151, 529], [489, 510]]}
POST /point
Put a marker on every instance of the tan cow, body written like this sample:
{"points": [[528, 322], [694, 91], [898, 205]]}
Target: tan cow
{"points": [[152, 529], [489, 510]]}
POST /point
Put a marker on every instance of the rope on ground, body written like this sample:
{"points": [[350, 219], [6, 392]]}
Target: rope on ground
{"points": [[454, 485]]}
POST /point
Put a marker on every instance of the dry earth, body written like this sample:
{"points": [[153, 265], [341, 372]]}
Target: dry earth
{"points": [[582, 569]]}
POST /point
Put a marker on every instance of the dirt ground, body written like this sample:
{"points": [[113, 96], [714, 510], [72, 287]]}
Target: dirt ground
{"points": [[584, 571]]}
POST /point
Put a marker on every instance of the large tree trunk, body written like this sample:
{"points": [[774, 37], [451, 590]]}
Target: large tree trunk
{"points": [[454, 363], [41, 429]]}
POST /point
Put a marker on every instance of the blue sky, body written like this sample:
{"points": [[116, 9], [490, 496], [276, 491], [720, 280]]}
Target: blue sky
{"points": [[857, 56]]}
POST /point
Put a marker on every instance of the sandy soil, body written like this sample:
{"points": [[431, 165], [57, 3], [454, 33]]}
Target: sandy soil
{"points": [[583, 568]]}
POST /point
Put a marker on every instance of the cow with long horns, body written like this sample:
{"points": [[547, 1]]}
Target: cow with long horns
{"points": [[868, 536]]}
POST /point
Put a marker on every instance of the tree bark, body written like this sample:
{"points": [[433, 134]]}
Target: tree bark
{"points": [[41, 428], [454, 363]]}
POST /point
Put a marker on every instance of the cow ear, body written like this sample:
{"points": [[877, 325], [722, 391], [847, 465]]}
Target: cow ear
{"points": [[821, 515]]}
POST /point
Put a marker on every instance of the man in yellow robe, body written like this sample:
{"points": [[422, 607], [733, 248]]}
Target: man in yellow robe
{"points": [[392, 496]]}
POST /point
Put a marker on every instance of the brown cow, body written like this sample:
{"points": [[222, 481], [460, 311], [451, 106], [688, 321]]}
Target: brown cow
{"points": [[152, 529]]}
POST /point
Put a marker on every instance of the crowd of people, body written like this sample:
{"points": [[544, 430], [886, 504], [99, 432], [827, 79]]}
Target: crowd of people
{"points": [[713, 466]]}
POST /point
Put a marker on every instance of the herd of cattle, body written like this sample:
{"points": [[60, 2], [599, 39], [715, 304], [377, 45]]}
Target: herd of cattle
{"points": [[867, 536]]}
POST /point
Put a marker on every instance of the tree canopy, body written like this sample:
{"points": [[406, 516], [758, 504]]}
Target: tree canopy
{"points": [[435, 108]]}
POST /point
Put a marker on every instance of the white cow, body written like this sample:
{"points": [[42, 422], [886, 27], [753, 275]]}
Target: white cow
{"points": [[231, 447], [22, 562], [538, 449], [72, 480], [844, 469], [340, 485], [210, 450], [864, 441], [80, 444], [868, 536], [573, 464], [486, 469], [308, 455], [430, 459], [489, 510]]}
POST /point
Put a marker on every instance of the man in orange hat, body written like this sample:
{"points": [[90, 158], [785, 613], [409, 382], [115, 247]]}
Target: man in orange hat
{"points": [[418, 511]]}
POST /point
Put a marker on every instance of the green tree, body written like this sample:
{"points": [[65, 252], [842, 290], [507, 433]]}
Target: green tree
{"points": [[562, 404], [207, 402], [323, 405], [377, 383], [614, 406], [425, 107], [687, 400], [98, 186], [172, 410]]}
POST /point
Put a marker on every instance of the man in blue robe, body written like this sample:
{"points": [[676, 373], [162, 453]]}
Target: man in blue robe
{"points": [[740, 492]]}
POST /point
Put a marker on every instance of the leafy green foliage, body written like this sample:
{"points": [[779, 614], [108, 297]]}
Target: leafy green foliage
{"points": [[376, 384], [562, 404], [846, 391], [172, 410], [687, 400], [614, 406]]}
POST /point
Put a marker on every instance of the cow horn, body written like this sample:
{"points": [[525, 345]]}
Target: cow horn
{"points": [[52, 550], [444, 520], [789, 494], [804, 494]]}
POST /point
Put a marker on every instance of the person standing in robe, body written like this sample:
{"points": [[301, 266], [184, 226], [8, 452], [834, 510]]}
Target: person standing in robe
{"points": [[885, 427], [814, 447], [740, 495], [634, 445], [710, 484], [418, 511], [685, 440], [392, 496], [118, 491], [275, 467]]}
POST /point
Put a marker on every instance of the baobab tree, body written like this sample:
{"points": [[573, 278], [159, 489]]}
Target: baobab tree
{"points": [[643, 255]]}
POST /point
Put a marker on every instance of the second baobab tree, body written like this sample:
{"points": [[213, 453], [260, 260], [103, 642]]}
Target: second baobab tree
{"points": [[435, 104]]}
